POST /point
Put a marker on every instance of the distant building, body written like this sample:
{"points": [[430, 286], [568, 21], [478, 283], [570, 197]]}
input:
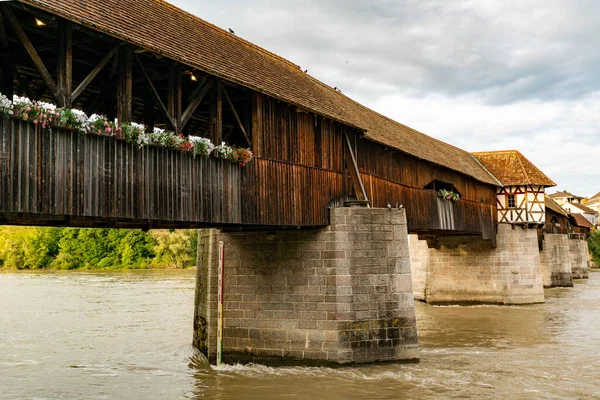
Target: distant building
{"points": [[565, 197], [594, 202], [576, 208]]}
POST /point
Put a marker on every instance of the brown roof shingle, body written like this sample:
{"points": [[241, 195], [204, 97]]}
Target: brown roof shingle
{"points": [[563, 194], [554, 206], [513, 168], [162, 28], [583, 208], [580, 220]]}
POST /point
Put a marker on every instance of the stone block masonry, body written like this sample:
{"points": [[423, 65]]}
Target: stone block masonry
{"points": [[555, 260], [338, 295], [419, 263], [468, 270], [579, 258]]}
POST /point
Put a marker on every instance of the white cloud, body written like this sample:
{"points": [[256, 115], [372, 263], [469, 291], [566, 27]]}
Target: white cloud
{"points": [[480, 74]]}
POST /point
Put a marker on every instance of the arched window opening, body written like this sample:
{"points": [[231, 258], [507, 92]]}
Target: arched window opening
{"points": [[439, 185]]}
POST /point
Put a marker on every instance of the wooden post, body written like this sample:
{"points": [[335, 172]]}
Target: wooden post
{"points": [[174, 94], [7, 77], [216, 114], [125, 84], [65, 61], [149, 110]]}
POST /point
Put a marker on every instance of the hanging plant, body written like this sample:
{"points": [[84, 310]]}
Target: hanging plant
{"points": [[448, 195]]}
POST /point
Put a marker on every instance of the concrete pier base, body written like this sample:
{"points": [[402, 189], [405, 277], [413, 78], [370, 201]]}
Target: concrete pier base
{"points": [[555, 259], [579, 258], [337, 295], [468, 270]]}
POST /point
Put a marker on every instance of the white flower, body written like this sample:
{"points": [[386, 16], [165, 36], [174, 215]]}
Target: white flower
{"points": [[22, 101], [158, 130], [144, 139], [139, 127], [81, 117], [202, 146], [5, 104], [47, 106]]}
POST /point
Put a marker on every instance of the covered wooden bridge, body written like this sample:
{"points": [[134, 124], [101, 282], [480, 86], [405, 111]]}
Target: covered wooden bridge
{"points": [[150, 62]]}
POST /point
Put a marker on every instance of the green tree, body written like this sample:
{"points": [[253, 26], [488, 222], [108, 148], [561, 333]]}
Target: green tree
{"points": [[175, 248], [594, 245]]}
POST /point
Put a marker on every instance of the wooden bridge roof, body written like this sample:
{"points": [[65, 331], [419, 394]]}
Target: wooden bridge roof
{"points": [[512, 168], [162, 28]]}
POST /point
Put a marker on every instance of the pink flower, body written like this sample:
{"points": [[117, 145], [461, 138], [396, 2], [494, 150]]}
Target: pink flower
{"points": [[108, 130], [35, 121], [28, 109]]}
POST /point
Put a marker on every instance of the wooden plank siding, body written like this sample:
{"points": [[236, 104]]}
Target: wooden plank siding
{"points": [[95, 178]]}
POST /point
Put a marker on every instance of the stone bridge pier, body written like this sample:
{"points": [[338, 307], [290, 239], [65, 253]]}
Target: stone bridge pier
{"points": [[579, 253], [468, 270], [555, 258], [337, 295]]}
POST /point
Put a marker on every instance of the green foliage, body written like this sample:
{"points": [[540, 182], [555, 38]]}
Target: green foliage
{"points": [[175, 248], [74, 248], [594, 245]]}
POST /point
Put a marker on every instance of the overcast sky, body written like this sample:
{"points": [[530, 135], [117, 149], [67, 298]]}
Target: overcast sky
{"points": [[482, 75]]}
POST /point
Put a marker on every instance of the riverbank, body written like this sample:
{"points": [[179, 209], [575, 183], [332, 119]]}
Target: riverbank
{"points": [[41, 248]]}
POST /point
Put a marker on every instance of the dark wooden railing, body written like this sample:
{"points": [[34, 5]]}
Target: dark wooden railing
{"points": [[57, 176]]}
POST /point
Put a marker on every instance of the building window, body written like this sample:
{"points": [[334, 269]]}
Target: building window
{"points": [[511, 201]]}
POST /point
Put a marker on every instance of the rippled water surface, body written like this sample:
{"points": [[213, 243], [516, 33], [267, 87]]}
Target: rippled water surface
{"points": [[127, 336]]}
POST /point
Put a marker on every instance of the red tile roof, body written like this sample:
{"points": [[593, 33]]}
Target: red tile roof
{"points": [[583, 208], [512, 168], [564, 194], [580, 220], [162, 28]]}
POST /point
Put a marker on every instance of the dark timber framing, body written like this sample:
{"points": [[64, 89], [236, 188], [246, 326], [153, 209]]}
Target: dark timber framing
{"points": [[304, 163]]}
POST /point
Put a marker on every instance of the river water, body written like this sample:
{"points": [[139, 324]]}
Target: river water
{"points": [[127, 336]]}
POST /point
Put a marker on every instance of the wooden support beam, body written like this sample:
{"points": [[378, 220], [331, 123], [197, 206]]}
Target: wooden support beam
{"points": [[149, 111], [3, 36], [216, 114], [23, 83], [357, 182], [174, 94], [177, 94], [237, 117], [64, 70], [107, 88], [88, 79], [125, 86], [16, 25], [164, 110], [195, 101], [7, 80]]}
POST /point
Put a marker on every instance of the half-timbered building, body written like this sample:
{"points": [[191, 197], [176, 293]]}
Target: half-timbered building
{"points": [[520, 199]]}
